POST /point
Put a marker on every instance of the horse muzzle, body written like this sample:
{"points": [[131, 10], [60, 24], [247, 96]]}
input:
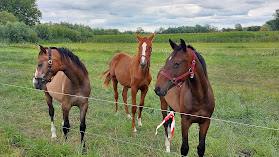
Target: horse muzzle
{"points": [[143, 65], [158, 90], [38, 83]]}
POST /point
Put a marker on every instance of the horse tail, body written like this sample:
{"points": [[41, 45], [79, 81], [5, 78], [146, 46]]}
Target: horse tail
{"points": [[107, 79]]}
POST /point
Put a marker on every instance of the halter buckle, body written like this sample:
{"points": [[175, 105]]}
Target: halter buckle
{"points": [[173, 80], [193, 62], [50, 62]]}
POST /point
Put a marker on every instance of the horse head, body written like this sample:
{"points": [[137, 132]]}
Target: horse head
{"points": [[47, 67], [178, 67], [145, 50]]}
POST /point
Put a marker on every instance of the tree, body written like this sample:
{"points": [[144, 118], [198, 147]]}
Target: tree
{"points": [[139, 30], [6, 16], [25, 10], [274, 24], [265, 28], [238, 27]]}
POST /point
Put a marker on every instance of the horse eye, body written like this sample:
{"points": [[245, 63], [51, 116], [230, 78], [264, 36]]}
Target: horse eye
{"points": [[40, 65], [177, 65], [151, 49]]}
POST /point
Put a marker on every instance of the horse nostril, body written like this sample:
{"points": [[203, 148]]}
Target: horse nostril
{"points": [[157, 90]]}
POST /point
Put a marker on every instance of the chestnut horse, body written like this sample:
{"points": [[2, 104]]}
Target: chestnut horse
{"points": [[131, 72], [60, 71], [182, 83]]}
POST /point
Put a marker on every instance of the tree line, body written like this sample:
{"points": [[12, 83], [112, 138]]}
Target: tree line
{"points": [[19, 22]]}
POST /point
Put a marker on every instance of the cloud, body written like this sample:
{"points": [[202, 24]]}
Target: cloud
{"points": [[152, 14]]}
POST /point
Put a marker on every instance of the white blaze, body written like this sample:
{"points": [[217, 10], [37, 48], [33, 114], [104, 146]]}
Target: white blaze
{"points": [[143, 52]]}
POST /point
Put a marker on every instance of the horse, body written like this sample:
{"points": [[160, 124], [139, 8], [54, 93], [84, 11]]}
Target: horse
{"points": [[183, 85], [61, 74], [131, 72]]}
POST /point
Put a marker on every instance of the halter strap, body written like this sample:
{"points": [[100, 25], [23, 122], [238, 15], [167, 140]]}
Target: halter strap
{"points": [[189, 72], [148, 58], [49, 67]]}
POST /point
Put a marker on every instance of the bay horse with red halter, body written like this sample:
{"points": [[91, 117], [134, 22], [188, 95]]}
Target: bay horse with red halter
{"points": [[131, 72], [61, 74], [183, 85]]}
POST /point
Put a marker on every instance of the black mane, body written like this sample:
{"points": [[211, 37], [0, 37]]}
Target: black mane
{"points": [[201, 59], [67, 54]]}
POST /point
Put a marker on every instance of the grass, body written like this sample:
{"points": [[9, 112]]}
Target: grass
{"points": [[244, 78]]}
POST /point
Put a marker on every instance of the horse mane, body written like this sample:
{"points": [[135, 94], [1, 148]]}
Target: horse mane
{"points": [[201, 59], [67, 54]]}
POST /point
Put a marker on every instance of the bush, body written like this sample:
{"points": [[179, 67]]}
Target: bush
{"points": [[43, 32], [62, 33], [18, 32]]}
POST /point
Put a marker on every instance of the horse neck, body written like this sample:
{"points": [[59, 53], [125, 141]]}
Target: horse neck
{"points": [[76, 75], [198, 84]]}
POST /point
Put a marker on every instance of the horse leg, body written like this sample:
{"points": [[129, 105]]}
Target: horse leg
{"points": [[51, 114], [124, 95], [66, 124], [202, 134], [143, 94], [164, 108], [114, 81], [134, 107], [185, 125], [83, 110]]}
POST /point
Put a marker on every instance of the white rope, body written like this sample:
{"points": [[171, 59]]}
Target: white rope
{"points": [[108, 101]]}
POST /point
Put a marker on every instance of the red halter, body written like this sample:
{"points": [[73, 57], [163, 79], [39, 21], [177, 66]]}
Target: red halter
{"points": [[148, 58], [190, 71]]}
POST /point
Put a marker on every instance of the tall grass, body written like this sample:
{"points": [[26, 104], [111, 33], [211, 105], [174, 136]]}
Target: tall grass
{"points": [[220, 37]]}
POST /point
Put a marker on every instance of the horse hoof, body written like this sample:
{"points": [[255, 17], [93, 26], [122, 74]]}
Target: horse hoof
{"points": [[116, 113], [84, 152], [129, 116], [53, 137], [134, 131]]}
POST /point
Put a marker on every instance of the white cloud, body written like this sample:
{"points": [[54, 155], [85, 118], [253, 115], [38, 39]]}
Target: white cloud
{"points": [[152, 14]]}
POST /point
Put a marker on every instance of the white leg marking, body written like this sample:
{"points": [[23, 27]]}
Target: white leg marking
{"points": [[53, 130], [139, 122], [129, 116], [135, 130], [167, 144], [169, 131], [143, 52]]}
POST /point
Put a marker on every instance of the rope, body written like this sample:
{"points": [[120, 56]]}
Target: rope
{"points": [[108, 101]]}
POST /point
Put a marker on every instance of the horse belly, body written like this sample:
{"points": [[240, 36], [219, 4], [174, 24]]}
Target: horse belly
{"points": [[56, 86], [122, 72], [172, 98]]}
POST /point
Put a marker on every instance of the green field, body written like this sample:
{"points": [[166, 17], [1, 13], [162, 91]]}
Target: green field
{"points": [[245, 81]]}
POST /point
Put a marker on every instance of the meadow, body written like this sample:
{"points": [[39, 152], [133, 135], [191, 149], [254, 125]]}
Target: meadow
{"points": [[244, 78]]}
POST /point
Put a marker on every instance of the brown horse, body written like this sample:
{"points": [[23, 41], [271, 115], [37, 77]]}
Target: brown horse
{"points": [[182, 83], [60, 71], [131, 72]]}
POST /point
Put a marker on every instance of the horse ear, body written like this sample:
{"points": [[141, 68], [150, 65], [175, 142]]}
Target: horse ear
{"points": [[151, 37], [139, 38], [183, 45], [42, 49], [173, 45]]}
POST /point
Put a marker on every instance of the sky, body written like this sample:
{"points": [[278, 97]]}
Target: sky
{"points": [[153, 14]]}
